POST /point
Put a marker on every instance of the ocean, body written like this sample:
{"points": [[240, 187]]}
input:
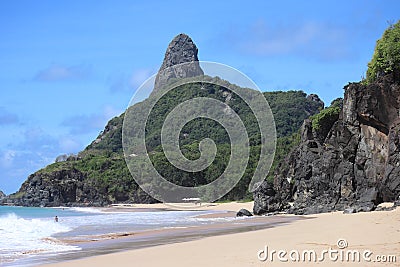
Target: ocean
{"points": [[30, 236]]}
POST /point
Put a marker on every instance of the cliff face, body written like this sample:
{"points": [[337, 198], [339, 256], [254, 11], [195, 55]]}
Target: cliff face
{"points": [[357, 164], [58, 188], [67, 186], [2, 195], [180, 50]]}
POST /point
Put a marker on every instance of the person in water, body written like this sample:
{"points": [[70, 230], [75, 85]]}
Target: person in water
{"points": [[56, 219]]}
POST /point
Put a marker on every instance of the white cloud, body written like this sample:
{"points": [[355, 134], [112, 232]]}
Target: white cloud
{"points": [[69, 144], [123, 82], [16, 165], [7, 158], [110, 112], [32, 151], [58, 72], [83, 124], [138, 77], [36, 139], [34, 148], [317, 40]]}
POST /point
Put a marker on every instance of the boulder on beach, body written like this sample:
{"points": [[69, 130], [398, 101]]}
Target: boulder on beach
{"points": [[244, 213]]}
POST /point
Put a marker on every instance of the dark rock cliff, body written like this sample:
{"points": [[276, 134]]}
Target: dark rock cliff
{"points": [[69, 186], [356, 164], [59, 188], [2, 195], [180, 50]]}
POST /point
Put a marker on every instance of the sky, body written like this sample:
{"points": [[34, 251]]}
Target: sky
{"points": [[67, 67]]}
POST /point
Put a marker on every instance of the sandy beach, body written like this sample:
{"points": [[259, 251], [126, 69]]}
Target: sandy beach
{"points": [[374, 236], [229, 206]]}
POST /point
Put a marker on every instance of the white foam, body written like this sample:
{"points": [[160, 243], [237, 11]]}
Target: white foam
{"points": [[19, 237], [87, 210]]}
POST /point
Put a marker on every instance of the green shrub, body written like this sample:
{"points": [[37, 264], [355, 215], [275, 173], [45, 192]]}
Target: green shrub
{"points": [[325, 118], [386, 58]]}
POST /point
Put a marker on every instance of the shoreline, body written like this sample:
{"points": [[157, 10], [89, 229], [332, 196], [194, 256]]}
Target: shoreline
{"points": [[377, 231], [226, 223], [96, 241]]}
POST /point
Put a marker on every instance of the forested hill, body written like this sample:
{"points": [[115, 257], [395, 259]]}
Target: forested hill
{"points": [[98, 175]]}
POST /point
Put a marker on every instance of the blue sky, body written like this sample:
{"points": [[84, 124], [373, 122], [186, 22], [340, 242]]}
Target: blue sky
{"points": [[67, 67]]}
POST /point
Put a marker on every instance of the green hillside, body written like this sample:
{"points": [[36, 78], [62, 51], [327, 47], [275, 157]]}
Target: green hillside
{"points": [[104, 176]]}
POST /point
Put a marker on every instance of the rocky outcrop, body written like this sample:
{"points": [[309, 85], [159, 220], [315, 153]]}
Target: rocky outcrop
{"points": [[315, 98], [266, 199], [356, 165], [2, 195], [180, 50], [57, 188], [69, 187]]}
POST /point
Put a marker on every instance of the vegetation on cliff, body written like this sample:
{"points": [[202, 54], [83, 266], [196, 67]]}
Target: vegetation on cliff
{"points": [[324, 120], [386, 58]]}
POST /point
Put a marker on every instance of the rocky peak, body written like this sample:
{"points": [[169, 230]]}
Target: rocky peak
{"points": [[180, 50], [2, 194]]}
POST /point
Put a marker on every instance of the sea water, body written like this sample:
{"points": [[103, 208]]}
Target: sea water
{"points": [[28, 232]]}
